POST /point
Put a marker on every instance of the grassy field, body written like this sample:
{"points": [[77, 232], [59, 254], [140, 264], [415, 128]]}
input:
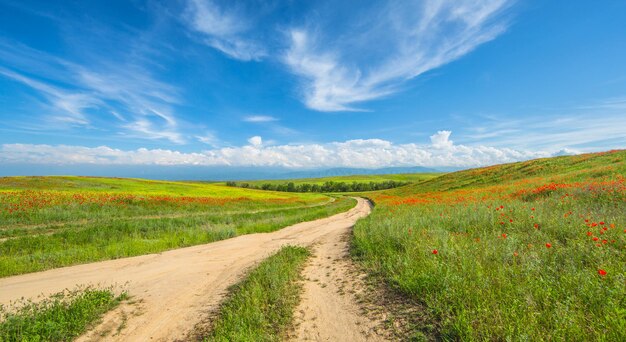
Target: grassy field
{"points": [[261, 307], [408, 177], [61, 317], [48, 222], [525, 251]]}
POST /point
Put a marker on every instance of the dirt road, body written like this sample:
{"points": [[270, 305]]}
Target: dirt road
{"points": [[173, 290]]}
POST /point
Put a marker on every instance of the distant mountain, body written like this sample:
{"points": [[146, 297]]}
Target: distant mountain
{"points": [[200, 173]]}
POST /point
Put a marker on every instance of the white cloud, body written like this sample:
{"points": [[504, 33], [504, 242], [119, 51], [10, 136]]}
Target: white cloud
{"points": [[402, 40], [259, 118], [77, 94], [370, 153], [441, 139], [209, 139], [256, 141], [223, 30]]}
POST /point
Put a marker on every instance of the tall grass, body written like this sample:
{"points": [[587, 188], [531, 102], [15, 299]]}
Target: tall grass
{"points": [[523, 259], [261, 307], [61, 317]]}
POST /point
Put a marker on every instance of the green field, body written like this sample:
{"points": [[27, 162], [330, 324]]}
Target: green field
{"points": [[406, 177], [48, 222], [525, 251]]}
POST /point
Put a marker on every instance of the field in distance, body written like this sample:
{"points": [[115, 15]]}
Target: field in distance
{"points": [[48, 222], [404, 177]]}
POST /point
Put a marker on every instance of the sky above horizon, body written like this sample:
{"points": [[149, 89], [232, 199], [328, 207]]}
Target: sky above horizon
{"points": [[295, 84]]}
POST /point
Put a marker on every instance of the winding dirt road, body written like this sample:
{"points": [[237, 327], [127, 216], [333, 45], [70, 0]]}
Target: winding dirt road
{"points": [[173, 290]]}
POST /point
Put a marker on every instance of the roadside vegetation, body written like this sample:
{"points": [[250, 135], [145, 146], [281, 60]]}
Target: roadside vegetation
{"points": [[61, 317], [525, 251], [48, 222], [261, 307]]}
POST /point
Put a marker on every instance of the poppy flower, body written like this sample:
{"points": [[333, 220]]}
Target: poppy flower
{"points": [[548, 245], [602, 272], [595, 238], [435, 251], [536, 226], [511, 220], [515, 254], [589, 233], [602, 223], [504, 236], [533, 209]]}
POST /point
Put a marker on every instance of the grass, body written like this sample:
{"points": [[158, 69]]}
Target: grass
{"points": [[61, 317], [524, 251], [407, 177], [48, 222], [261, 307]]}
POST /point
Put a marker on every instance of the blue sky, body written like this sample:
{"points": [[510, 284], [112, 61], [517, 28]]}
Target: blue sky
{"points": [[302, 84]]}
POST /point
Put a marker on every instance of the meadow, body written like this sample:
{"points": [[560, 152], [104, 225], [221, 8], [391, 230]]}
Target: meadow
{"points": [[403, 177], [525, 251], [48, 222]]}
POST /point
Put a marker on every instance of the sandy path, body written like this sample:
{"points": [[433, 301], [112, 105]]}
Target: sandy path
{"points": [[329, 310], [175, 288]]}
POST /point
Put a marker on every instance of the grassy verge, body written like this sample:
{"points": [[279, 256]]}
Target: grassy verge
{"points": [[539, 258], [261, 307], [61, 317], [80, 242]]}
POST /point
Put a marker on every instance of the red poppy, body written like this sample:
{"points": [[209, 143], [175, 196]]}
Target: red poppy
{"points": [[511, 220], [515, 254], [548, 245], [536, 226], [504, 236], [595, 238], [589, 233], [435, 251], [533, 209], [602, 223], [602, 272]]}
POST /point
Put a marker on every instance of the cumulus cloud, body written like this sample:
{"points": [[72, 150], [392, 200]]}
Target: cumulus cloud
{"points": [[369, 153], [256, 141]]}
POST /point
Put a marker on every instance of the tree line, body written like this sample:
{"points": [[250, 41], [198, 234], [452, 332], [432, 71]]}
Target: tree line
{"points": [[329, 186]]}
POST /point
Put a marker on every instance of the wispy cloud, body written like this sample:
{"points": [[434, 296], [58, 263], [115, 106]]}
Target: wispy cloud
{"points": [[78, 94], [259, 118], [405, 40], [223, 30], [371, 153]]}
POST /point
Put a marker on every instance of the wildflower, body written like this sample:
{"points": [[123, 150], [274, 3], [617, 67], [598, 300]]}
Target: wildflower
{"points": [[548, 245], [533, 209], [605, 241], [536, 226], [602, 223], [511, 220], [515, 253], [504, 236], [602, 272], [595, 238], [589, 233], [435, 251]]}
